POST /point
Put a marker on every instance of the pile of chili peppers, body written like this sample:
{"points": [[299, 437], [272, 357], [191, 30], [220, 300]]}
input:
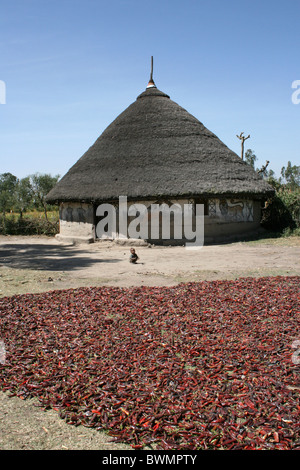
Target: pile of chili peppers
{"points": [[205, 365]]}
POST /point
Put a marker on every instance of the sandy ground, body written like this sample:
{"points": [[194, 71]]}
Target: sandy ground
{"points": [[38, 264]]}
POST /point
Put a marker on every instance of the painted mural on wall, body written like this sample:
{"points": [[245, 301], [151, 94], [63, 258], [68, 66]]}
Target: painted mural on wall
{"points": [[231, 210], [75, 213]]}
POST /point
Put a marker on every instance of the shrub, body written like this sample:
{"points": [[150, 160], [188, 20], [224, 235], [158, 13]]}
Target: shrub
{"points": [[282, 212], [29, 225]]}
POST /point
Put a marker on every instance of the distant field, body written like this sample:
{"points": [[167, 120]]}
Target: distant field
{"points": [[35, 214]]}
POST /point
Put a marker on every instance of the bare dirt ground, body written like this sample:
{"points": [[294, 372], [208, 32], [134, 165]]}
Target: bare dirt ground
{"points": [[38, 264]]}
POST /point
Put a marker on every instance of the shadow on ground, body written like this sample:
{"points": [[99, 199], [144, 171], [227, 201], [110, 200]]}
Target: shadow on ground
{"points": [[47, 257]]}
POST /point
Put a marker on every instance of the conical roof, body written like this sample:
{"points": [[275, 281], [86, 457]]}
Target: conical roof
{"points": [[154, 149]]}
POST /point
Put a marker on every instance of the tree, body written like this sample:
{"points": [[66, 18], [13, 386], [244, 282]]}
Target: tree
{"points": [[263, 170], [250, 158], [291, 174], [242, 139], [24, 195], [41, 185], [276, 183], [8, 184]]}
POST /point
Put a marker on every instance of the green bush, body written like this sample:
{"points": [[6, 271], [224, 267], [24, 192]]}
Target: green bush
{"points": [[16, 225], [288, 232], [282, 213]]}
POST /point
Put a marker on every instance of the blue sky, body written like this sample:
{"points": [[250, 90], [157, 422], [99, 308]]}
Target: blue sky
{"points": [[72, 66]]}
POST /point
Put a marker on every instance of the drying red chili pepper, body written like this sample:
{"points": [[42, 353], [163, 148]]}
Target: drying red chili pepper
{"points": [[203, 365]]}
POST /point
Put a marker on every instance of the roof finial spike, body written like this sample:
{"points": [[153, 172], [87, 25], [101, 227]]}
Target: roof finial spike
{"points": [[151, 83], [151, 74]]}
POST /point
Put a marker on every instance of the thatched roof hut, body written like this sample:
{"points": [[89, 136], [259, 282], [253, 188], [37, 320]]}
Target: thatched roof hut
{"points": [[155, 149]]}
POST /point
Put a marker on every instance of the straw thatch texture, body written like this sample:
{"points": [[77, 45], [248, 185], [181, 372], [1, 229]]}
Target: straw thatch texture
{"points": [[155, 148]]}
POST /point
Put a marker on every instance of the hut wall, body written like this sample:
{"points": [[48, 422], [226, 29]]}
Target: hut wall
{"points": [[225, 217], [231, 218], [76, 222]]}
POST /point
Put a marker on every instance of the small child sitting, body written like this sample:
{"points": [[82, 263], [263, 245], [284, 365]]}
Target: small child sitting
{"points": [[133, 256]]}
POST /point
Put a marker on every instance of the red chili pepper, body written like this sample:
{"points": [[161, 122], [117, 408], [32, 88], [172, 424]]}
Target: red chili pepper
{"points": [[156, 363]]}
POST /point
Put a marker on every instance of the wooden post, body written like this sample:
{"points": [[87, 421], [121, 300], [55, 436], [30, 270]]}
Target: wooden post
{"points": [[242, 139]]}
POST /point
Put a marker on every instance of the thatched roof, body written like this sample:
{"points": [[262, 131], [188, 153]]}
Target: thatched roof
{"points": [[155, 148]]}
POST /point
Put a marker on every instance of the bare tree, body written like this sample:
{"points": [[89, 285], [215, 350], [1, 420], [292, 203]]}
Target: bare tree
{"points": [[242, 139], [263, 169]]}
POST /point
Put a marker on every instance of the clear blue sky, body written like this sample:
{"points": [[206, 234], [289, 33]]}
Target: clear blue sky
{"points": [[72, 66]]}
